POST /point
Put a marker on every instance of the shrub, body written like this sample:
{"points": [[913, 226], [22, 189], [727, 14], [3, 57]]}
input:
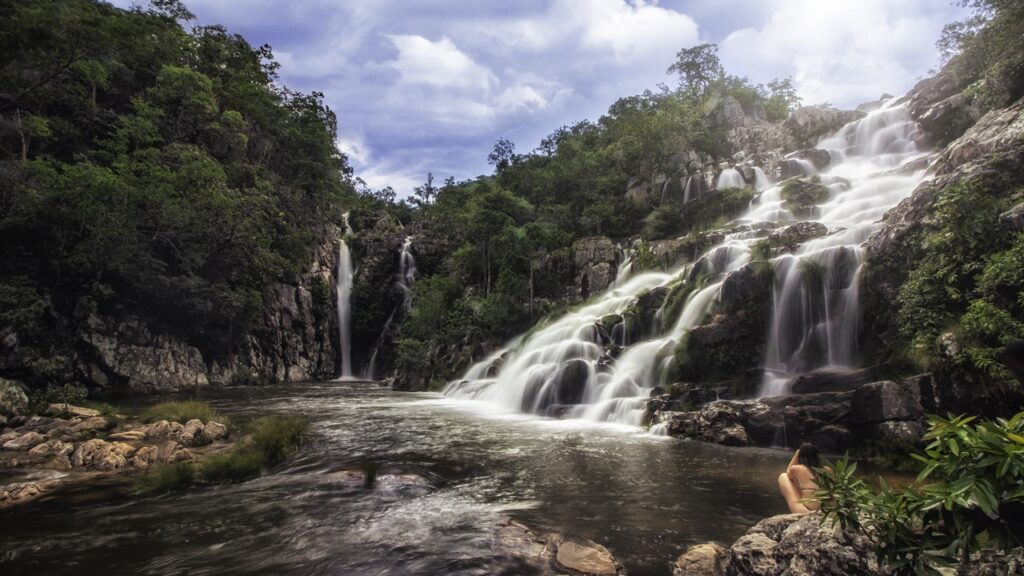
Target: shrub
{"points": [[182, 412], [272, 439], [970, 492]]}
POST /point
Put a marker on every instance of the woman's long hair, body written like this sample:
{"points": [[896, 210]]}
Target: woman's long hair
{"points": [[809, 456]]}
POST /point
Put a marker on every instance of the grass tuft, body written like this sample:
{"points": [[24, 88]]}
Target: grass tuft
{"points": [[182, 412], [164, 478]]}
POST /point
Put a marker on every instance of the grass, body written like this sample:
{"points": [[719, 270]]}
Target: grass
{"points": [[270, 440], [165, 478], [182, 412]]}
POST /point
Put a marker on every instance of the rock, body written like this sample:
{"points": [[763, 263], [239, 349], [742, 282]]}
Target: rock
{"points": [[13, 400], [171, 451], [594, 260], [718, 422], [192, 434], [515, 541], [163, 429], [24, 441], [572, 382], [585, 557], [1013, 219], [832, 380], [774, 526], [62, 458], [886, 400], [832, 439], [22, 491], [134, 435], [802, 196], [47, 448], [791, 236], [820, 159], [753, 555], [808, 548], [901, 433], [70, 410], [144, 457], [99, 455], [809, 123], [993, 563], [215, 431], [763, 424], [93, 424], [701, 560]]}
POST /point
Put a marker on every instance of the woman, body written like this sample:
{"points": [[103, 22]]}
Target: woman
{"points": [[797, 483]]}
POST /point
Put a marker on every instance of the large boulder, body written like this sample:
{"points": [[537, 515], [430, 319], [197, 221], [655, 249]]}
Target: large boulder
{"points": [[25, 441], [585, 557], [594, 259], [884, 401], [801, 196], [101, 455], [787, 239], [832, 380]]}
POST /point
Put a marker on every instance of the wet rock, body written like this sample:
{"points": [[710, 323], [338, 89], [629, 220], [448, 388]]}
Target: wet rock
{"points": [[801, 196], [70, 411], [701, 560], [585, 557], [13, 400], [753, 555], [718, 422], [522, 546], [22, 491], [886, 400], [99, 455], [50, 447], [832, 439], [134, 435], [572, 382], [25, 441], [791, 236], [899, 433], [171, 451], [832, 380], [820, 159], [762, 423]]}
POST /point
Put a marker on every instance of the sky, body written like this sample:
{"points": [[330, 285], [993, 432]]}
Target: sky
{"points": [[429, 85]]}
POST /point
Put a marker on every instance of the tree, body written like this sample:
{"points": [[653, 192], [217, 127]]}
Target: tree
{"points": [[697, 67], [502, 156], [782, 99], [427, 192]]}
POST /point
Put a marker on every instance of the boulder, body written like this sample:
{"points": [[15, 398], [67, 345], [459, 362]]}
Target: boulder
{"points": [[134, 435], [1013, 219], [163, 429], [820, 159], [99, 455], [50, 447], [807, 124], [91, 425], [701, 560], [900, 433], [882, 401], [25, 441], [586, 558], [793, 235], [752, 555], [993, 563], [832, 380], [215, 431], [192, 434], [13, 400], [801, 196]]}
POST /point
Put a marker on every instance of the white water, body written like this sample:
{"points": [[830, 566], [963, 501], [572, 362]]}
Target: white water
{"points": [[343, 295], [730, 178], [560, 368], [406, 277]]}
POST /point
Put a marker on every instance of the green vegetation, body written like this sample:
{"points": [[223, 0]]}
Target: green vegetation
{"points": [[152, 171], [269, 441], [970, 281], [986, 51], [182, 412], [968, 495]]}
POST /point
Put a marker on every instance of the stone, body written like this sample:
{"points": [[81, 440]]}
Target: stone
{"points": [[47, 448], [62, 458], [993, 563], [13, 400], [774, 526], [91, 425], [144, 457], [809, 123], [22, 491], [163, 429], [1013, 219], [24, 441], [99, 455], [820, 159], [134, 435], [801, 196], [585, 557], [809, 548], [61, 410], [215, 431], [832, 380], [192, 434], [886, 400], [902, 433], [791, 236], [701, 560], [753, 555], [832, 439]]}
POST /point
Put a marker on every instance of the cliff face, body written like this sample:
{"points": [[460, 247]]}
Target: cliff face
{"points": [[297, 340]]}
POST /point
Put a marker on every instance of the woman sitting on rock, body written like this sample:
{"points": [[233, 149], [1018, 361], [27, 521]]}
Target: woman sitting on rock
{"points": [[797, 483]]}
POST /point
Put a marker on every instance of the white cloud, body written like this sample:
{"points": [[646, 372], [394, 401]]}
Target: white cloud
{"points": [[842, 51], [440, 64]]}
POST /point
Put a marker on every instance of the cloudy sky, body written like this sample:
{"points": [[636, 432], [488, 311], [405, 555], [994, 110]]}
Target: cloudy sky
{"points": [[430, 85]]}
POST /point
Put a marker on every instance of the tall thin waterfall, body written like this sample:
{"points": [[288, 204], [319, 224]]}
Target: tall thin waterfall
{"points": [[562, 368], [406, 276], [343, 289]]}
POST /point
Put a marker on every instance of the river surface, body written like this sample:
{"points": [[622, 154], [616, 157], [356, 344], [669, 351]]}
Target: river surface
{"points": [[645, 498]]}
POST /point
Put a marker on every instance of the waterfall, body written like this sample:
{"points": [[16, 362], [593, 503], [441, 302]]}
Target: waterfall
{"points": [[761, 180], [343, 289], [730, 178], [571, 367], [406, 270]]}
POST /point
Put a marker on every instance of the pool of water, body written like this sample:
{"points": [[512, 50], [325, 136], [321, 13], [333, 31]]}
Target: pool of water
{"points": [[645, 498]]}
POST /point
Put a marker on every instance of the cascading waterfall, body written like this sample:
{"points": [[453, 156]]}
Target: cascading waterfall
{"points": [[730, 178], [343, 294], [406, 276], [562, 368]]}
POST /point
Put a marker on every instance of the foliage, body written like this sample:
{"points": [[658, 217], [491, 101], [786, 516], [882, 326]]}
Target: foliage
{"points": [[182, 411], [150, 171], [40, 400], [986, 50], [970, 493], [164, 478], [969, 279]]}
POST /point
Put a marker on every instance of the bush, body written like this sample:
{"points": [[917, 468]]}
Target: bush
{"points": [[182, 412], [969, 494], [165, 478]]}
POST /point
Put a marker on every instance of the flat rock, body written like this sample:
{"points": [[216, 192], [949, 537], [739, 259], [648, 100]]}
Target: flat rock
{"points": [[70, 410], [585, 557], [25, 441]]}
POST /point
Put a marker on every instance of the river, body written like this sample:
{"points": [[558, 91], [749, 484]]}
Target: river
{"points": [[645, 498]]}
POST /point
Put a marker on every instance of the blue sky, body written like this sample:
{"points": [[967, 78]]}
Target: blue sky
{"points": [[430, 85]]}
